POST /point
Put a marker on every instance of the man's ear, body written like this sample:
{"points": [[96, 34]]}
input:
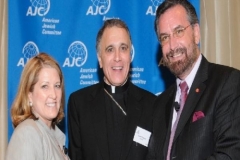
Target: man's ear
{"points": [[197, 34], [99, 60]]}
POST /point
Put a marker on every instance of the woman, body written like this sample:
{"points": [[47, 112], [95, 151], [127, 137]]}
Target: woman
{"points": [[36, 110]]}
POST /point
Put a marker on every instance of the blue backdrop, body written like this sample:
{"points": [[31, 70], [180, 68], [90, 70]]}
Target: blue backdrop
{"points": [[67, 30]]}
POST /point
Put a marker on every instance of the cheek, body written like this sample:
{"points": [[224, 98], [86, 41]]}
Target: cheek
{"points": [[127, 63], [104, 61], [39, 96], [36, 96], [127, 57], [59, 93], [165, 50]]}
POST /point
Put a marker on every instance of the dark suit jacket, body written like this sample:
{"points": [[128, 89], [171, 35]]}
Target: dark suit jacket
{"points": [[87, 123], [216, 93]]}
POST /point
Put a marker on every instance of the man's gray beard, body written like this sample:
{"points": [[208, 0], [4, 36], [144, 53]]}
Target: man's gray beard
{"points": [[181, 66]]}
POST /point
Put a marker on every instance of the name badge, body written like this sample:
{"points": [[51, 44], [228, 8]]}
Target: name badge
{"points": [[142, 136]]}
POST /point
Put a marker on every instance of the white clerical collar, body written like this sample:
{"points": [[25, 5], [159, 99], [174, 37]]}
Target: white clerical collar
{"points": [[113, 88], [116, 89]]}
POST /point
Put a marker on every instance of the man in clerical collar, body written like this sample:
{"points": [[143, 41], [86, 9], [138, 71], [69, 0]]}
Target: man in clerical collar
{"points": [[111, 120]]}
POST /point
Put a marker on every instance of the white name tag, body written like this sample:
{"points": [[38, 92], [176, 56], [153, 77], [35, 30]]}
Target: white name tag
{"points": [[142, 136]]}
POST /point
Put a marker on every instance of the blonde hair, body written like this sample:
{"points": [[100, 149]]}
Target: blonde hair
{"points": [[21, 109]]}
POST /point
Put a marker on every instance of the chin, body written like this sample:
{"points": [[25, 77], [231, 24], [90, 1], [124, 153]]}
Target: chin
{"points": [[117, 83]]}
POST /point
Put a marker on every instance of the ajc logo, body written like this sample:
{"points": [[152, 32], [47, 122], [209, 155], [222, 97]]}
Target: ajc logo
{"points": [[99, 7], [30, 50], [152, 9], [77, 55], [39, 7]]}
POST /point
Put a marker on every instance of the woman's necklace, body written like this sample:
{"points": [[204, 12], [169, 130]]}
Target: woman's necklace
{"points": [[115, 102]]}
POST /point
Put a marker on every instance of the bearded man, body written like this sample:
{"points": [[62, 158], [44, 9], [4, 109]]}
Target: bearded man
{"points": [[198, 117]]}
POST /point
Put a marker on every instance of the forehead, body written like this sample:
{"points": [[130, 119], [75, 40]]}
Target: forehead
{"points": [[47, 71], [173, 17], [115, 33]]}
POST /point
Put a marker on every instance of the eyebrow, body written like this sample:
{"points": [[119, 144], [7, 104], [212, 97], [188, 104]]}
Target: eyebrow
{"points": [[44, 81], [121, 44], [177, 27], [124, 44], [47, 82]]}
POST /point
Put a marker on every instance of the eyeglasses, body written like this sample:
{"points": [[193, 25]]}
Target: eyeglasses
{"points": [[177, 33]]}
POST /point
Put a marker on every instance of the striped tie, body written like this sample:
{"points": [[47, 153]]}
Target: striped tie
{"points": [[183, 97]]}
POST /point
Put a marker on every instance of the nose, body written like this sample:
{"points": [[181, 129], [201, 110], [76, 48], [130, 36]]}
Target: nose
{"points": [[117, 56], [53, 94], [173, 43]]}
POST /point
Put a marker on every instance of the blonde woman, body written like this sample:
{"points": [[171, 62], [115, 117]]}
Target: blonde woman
{"points": [[36, 110]]}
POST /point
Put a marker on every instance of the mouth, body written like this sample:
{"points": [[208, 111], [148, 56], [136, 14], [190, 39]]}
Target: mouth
{"points": [[53, 104], [117, 68], [177, 53]]}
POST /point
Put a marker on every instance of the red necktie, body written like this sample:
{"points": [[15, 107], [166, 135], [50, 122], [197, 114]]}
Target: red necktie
{"points": [[183, 97]]}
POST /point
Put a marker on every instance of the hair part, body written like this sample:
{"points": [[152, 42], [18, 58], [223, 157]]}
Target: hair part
{"points": [[21, 110]]}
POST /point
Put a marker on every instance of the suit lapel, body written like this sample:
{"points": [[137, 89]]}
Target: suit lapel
{"points": [[133, 114], [194, 95], [100, 122]]}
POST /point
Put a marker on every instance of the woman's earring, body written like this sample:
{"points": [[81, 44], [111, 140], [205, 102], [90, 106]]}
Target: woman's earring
{"points": [[30, 104]]}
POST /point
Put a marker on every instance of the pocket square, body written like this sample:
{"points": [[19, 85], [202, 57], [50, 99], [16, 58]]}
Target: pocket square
{"points": [[197, 115]]}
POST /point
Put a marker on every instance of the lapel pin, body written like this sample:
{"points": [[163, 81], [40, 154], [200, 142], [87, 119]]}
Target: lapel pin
{"points": [[197, 90]]}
